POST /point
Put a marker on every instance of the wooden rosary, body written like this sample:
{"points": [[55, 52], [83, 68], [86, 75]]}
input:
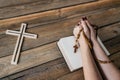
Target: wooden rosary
{"points": [[76, 46]]}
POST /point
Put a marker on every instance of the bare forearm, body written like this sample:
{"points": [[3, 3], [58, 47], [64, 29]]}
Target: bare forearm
{"points": [[89, 66], [108, 69]]}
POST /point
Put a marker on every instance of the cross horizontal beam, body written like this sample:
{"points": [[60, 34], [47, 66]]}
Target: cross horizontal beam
{"points": [[21, 34]]}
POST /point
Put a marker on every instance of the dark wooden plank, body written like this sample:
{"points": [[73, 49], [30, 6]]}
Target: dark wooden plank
{"points": [[7, 3], [51, 70], [30, 58], [58, 70], [114, 44], [58, 14], [78, 75], [109, 32], [33, 6], [116, 58]]}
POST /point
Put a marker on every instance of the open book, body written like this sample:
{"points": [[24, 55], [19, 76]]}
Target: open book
{"points": [[72, 59]]}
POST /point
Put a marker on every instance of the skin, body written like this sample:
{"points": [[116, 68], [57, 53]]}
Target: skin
{"points": [[107, 69], [90, 68]]}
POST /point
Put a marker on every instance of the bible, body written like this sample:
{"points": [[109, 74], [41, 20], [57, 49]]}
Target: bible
{"points": [[72, 59]]}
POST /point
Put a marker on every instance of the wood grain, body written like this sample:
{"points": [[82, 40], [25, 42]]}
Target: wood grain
{"points": [[58, 68], [114, 44], [109, 31], [18, 8], [56, 15], [103, 4], [30, 59], [7, 3], [78, 75]]}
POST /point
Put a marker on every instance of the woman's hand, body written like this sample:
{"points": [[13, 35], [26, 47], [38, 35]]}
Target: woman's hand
{"points": [[88, 29], [82, 26], [92, 31]]}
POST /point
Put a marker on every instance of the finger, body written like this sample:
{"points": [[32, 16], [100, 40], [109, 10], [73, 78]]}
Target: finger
{"points": [[93, 28], [76, 30], [80, 27], [89, 25], [84, 25], [85, 28]]}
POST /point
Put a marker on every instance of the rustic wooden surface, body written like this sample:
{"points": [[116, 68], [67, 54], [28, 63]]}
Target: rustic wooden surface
{"points": [[51, 20]]}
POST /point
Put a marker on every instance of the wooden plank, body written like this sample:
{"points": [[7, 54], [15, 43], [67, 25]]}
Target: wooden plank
{"points": [[111, 31], [41, 55], [78, 75], [114, 44], [66, 12], [55, 69], [116, 58], [7, 3], [34, 6], [57, 15], [33, 19], [58, 70], [28, 59]]}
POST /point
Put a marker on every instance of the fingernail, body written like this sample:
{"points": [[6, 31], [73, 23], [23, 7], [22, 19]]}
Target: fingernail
{"points": [[84, 18]]}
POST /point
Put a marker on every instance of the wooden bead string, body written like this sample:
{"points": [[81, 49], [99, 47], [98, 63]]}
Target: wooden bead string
{"points": [[104, 62], [76, 42]]}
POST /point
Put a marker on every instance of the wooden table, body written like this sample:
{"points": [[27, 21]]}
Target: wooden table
{"points": [[51, 20]]}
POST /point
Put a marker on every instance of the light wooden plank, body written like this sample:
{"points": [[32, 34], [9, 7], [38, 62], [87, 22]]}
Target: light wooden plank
{"points": [[58, 14], [28, 7]]}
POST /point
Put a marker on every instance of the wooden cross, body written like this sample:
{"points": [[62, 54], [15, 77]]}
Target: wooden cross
{"points": [[21, 34]]}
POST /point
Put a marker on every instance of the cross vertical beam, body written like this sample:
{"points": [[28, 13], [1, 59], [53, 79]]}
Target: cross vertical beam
{"points": [[21, 34]]}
